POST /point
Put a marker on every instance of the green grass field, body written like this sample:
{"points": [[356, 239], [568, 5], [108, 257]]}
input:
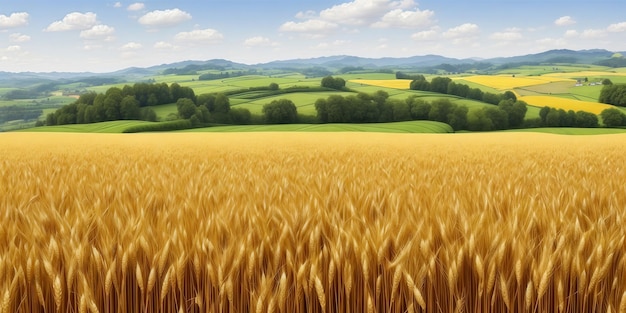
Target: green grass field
{"points": [[103, 127], [396, 127], [571, 131]]}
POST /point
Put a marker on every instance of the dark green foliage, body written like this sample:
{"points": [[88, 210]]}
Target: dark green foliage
{"points": [[240, 116], [613, 94], [516, 111], [421, 85], [613, 117], [282, 111], [401, 75], [333, 83], [440, 84], [186, 108], [440, 109], [18, 112]]}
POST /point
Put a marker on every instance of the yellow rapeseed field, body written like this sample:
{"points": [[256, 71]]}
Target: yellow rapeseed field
{"points": [[585, 74], [312, 222], [565, 104], [386, 83], [508, 82]]}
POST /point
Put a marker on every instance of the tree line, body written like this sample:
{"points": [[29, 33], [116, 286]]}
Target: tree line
{"points": [[126, 103], [445, 85], [379, 108]]}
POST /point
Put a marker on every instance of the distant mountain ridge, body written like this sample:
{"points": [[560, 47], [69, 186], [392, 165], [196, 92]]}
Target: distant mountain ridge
{"points": [[339, 61]]}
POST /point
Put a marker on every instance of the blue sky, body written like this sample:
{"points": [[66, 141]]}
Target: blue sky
{"points": [[104, 36]]}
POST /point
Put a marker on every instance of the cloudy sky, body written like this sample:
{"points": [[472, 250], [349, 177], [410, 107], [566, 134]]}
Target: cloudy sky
{"points": [[104, 36]]}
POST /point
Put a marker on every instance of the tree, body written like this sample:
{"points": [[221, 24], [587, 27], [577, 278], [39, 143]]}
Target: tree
{"points": [[586, 119], [148, 114], [509, 95], [240, 116], [420, 84], [186, 108], [333, 83], [222, 104], [420, 109], [491, 98], [321, 107], [129, 108], [613, 117], [458, 118], [477, 120], [440, 109], [282, 111], [516, 111], [543, 114], [440, 84], [273, 86], [499, 118], [401, 110], [606, 82]]}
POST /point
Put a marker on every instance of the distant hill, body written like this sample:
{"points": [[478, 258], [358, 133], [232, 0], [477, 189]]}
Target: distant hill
{"points": [[329, 64]]}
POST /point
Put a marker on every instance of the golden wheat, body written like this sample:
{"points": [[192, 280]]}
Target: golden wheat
{"points": [[305, 222]]}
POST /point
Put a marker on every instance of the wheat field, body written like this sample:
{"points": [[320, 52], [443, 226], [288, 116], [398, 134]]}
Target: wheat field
{"points": [[312, 222]]}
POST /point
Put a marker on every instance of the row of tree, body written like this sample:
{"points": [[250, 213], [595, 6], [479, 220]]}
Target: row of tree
{"points": [[378, 107], [445, 85], [126, 103], [552, 117]]}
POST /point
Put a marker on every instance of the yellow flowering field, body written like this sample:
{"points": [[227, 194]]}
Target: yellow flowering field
{"points": [[585, 74], [386, 83], [565, 104], [508, 82], [312, 222]]}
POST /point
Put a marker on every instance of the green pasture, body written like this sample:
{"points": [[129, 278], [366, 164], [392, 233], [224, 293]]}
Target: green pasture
{"points": [[304, 101], [571, 131], [103, 127], [396, 127]]}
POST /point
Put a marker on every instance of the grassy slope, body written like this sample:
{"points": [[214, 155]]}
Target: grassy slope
{"points": [[397, 127], [104, 127], [571, 131]]}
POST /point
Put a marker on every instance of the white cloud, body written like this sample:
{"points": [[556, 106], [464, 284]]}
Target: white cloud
{"points": [[617, 27], [17, 37], [259, 41], [358, 12], [571, 33], [164, 45], [506, 36], [98, 32], [131, 46], [593, 33], [406, 19], [164, 18], [306, 15], [426, 35], [117, 5], [13, 20], [74, 21], [564, 21], [204, 35], [464, 30], [14, 48], [137, 6], [310, 26]]}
